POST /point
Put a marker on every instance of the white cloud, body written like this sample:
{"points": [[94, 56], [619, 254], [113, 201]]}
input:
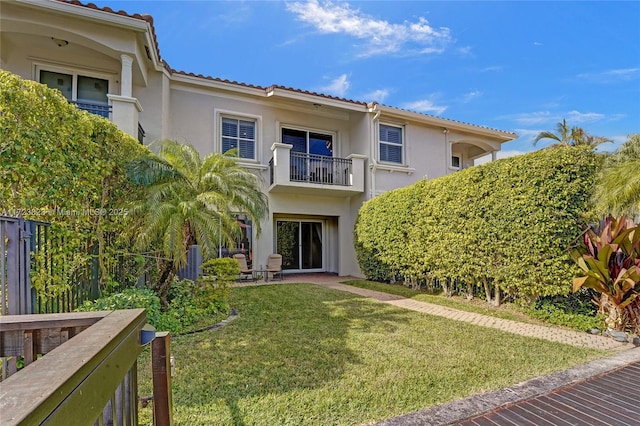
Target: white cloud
{"points": [[425, 106], [377, 95], [468, 97], [611, 76], [547, 117], [531, 118], [537, 43], [492, 68], [464, 51], [338, 86], [379, 36], [578, 117]]}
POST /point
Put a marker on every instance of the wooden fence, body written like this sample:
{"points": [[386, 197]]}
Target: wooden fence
{"points": [[79, 369]]}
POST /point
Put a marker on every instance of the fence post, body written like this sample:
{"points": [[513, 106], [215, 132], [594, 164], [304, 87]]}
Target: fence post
{"points": [[161, 368]]}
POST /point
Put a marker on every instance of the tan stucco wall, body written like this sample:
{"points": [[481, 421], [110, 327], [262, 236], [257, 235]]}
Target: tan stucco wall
{"points": [[187, 109]]}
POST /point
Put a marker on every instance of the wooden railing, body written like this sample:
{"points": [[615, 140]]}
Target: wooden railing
{"points": [[86, 372]]}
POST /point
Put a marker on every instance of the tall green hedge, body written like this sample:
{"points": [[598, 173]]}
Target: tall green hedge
{"points": [[506, 224], [66, 167]]}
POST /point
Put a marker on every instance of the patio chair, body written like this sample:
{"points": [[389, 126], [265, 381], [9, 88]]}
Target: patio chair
{"points": [[274, 266], [245, 271]]}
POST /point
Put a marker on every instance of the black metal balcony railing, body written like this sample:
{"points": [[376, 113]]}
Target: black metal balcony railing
{"points": [[141, 134], [271, 171], [320, 169], [102, 110]]}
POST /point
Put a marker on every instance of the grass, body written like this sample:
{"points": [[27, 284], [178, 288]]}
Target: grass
{"points": [[505, 311], [301, 354]]}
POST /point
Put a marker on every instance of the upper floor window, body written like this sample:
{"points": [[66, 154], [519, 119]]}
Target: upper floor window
{"points": [[88, 93], [241, 134], [308, 142], [456, 161], [391, 144]]}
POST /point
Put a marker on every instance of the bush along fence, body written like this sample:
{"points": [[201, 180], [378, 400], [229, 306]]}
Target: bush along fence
{"points": [[502, 228]]}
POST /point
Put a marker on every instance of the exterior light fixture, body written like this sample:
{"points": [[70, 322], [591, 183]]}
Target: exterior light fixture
{"points": [[60, 42]]}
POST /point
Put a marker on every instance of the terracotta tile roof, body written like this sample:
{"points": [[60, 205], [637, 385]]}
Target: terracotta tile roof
{"points": [[149, 19]]}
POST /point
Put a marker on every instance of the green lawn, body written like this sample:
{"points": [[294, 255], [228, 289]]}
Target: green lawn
{"points": [[301, 354]]}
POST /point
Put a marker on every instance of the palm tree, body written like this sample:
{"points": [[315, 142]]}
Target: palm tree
{"points": [[562, 137], [574, 136], [188, 200], [618, 189]]}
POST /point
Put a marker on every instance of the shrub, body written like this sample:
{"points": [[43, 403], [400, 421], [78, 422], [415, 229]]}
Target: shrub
{"points": [[66, 167], [548, 311], [191, 304], [129, 298], [504, 226], [371, 266]]}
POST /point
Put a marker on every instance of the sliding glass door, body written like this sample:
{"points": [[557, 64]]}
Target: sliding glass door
{"points": [[300, 244]]}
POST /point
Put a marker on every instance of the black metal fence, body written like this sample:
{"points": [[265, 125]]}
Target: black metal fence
{"points": [[100, 109], [26, 253], [15, 266], [320, 169]]}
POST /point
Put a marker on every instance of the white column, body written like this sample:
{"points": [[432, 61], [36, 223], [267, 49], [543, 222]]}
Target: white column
{"points": [[281, 163], [126, 77], [494, 155], [357, 171]]}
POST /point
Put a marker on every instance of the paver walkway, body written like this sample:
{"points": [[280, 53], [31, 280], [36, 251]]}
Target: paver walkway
{"points": [[554, 334]]}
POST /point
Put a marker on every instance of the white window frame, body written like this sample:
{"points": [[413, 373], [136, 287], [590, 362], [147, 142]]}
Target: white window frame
{"points": [[74, 72], [402, 145], [234, 115]]}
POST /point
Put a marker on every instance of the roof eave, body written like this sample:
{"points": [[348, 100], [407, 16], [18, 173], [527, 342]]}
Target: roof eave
{"points": [[102, 16], [314, 98], [449, 124]]}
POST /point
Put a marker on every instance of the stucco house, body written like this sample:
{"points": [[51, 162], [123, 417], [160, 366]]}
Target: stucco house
{"points": [[320, 156]]}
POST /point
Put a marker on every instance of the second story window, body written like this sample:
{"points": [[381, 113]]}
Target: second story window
{"points": [[391, 144], [88, 93], [239, 134]]}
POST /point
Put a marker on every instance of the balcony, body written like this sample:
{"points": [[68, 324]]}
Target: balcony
{"points": [[296, 172], [122, 111], [102, 110]]}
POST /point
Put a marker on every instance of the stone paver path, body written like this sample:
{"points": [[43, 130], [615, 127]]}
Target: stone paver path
{"points": [[554, 334]]}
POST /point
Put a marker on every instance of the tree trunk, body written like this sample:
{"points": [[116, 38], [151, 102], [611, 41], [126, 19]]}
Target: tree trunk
{"points": [[470, 285], [616, 318], [633, 313], [487, 289], [496, 302], [162, 286], [446, 287]]}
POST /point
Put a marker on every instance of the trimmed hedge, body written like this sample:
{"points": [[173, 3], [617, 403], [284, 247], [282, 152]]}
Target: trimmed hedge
{"points": [[504, 225]]}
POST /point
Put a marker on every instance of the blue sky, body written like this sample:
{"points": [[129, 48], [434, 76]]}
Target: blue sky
{"points": [[516, 66]]}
